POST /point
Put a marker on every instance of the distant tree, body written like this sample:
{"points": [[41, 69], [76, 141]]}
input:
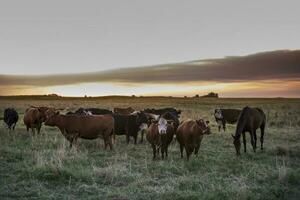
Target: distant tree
{"points": [[133, 95], [196, 96], [185, 97]]}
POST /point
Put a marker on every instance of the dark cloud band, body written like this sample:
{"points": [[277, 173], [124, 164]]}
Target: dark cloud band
{"points": [[283, 64]]}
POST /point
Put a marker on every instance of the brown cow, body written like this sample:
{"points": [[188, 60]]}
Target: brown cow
{"points": [[160, 135], [124, 111], [190, 134], [34, 117], [83, 126]]}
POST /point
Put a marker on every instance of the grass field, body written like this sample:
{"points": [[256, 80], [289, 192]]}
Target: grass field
{"points": [[43, 166]]}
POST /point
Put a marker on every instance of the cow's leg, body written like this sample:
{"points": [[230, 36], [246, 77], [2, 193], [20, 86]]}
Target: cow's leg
{"points": [[14, 126], [181, 150], [154, 151], [162, 152], [33, 130], [188, 150], [166, 152], [27, 128], [142, 136], [108, 141], [127, 138], [224, 126], [39, 128], [197, 149], [262, 130], [219, 127], [244, 141], [135, 138]]}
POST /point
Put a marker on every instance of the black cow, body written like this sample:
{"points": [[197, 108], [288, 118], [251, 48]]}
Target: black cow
{"points": [[130, 125], [171, 116], [93, 111], [161, 111], [11, 118], [224, 116]]}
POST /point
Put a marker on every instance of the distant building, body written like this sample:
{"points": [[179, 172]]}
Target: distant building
{"points": [[211, 95]]}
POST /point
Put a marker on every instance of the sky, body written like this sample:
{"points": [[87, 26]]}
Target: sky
{"points": [[165, 47]]}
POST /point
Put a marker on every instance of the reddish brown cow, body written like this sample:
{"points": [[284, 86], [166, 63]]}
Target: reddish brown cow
{"points": [[83, 126], [160, 135], [34, 117], [124, 111], [189, 135]]}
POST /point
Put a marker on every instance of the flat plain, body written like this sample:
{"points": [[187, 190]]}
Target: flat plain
{"points": [[44, 167]]}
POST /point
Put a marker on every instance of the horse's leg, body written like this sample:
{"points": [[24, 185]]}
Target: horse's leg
{"points": [[252, 139], [224, 126], [255, 139], [262, 130], [244, 141]]}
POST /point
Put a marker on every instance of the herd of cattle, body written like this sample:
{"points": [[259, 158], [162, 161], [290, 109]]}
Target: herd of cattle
{"points": [[159, 125]]}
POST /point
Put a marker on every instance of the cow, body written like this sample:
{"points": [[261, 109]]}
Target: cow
{"points": [[161, 111], [89, 127], [249, 121], [160, 135], [11, 118], [92, 111], [124, 111], [190, 134], [171, 117], [130, 125], [224, 116], [34, 117]]}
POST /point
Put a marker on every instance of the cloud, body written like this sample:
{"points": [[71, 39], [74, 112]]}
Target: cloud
{"points": [[282, 64]]}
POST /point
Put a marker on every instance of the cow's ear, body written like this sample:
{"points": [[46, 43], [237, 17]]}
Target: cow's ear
{"points": [[207, 122], [57, 112]]}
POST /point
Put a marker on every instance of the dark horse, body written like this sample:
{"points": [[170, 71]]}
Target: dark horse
{"points": [[249, 120]]}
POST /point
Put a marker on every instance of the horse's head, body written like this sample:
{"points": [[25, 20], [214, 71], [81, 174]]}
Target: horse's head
{"points": [[237, 144]]}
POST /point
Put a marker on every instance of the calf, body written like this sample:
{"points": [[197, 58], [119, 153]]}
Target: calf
{"points": [[224, 116], [11, 118], [130, 125], [34, 117], [160, 135], [86, 127], [190, 134]]}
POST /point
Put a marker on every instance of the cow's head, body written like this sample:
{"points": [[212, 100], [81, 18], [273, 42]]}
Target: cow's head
{"points": [[50, 117], [162, 126], [237, 144], [218, 114], [142, 121], [204, 126]]}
